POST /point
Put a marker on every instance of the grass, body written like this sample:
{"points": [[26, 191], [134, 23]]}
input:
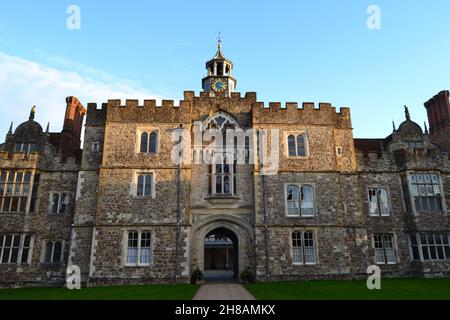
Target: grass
{"points": [[151, 292], [391, 289]]}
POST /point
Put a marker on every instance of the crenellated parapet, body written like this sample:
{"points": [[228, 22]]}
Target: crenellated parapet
{"points": [[150, 111], [291, 113], [95, 116], [165, 111], [236, 97], [195, 106]]}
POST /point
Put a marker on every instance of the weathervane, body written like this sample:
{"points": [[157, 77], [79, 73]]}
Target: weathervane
{"points": [[219, 40]]}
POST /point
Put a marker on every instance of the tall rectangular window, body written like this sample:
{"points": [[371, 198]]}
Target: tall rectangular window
{"points": [[425, 191], [15, 248], [221, 176], [378, 202], [300, 200], [145, 248], [414, 246], [139, 248], [303, 247], [297, 247], [132, 252], [34, 193], [53, 253], [149, 142], [144, 185], [384, 248], [297, 145], [59, 203]]}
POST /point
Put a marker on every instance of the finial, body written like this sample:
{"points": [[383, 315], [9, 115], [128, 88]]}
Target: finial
{"points": [[219, 40], [10, 128], [407, 115], [393, 126], [48, 127], [426, 128], [33, 111]]}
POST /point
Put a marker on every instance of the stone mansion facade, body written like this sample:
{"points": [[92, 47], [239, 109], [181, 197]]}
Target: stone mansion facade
{"points": [[123, 212]]}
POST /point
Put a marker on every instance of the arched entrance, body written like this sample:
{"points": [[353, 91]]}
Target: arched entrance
{"points": [[221, 255], [234, 228]]}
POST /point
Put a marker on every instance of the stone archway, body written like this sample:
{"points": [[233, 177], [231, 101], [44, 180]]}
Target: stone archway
{"points": [[232, 227]]}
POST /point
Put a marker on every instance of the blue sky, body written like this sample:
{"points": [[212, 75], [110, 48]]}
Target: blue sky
{"points": [[319, 51]]}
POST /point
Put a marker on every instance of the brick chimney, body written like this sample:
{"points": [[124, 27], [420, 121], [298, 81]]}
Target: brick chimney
{"points": [[73, 124], [438, 109]]}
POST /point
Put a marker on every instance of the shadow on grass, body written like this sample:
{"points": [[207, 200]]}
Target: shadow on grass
{"points": [[391, 289], [150, 292]]}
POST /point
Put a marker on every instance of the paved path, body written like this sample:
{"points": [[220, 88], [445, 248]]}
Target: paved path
{"points": [[223, 291]]}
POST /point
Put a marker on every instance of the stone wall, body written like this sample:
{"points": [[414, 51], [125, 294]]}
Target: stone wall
{"points": [[103, 206]]}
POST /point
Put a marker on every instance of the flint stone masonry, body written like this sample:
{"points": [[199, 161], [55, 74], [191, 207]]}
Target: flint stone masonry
{"points": [[103, 207]]}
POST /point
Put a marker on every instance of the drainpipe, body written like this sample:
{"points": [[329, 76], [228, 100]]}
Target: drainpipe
{"points": [[177, 245], [266, 236]]}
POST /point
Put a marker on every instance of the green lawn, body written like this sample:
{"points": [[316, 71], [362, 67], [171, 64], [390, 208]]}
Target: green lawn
{"points": [[391, 289], [153, 292]]}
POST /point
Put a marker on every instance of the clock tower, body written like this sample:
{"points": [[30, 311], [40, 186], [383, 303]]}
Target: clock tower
{"points": [[219, 79]]}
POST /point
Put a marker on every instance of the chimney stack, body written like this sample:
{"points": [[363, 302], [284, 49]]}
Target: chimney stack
{"points": [[73, 124]]}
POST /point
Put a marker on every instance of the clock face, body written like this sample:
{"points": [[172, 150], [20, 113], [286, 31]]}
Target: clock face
{"points": [[219, 85]]}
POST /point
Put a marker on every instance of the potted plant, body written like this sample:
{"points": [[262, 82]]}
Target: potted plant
{"points": [[197, 276], [247, 276]]}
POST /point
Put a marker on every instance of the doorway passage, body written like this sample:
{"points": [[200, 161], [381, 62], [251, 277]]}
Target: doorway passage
{"points": [[221, 259]]}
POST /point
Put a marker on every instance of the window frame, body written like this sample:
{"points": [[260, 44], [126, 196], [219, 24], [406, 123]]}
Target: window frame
{"points": [[125, 247], [315, 247], [44, 251], [420, 246], [148, 131], [20, 248], [26, 147], [385, 256], [51, 203], [212, 175], [388, 196], [297, 133], [411, 198], [135, 186], [300, 186], [12, 194]]}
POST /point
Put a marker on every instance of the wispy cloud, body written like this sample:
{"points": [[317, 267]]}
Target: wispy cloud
{"points": [[24, 83]]}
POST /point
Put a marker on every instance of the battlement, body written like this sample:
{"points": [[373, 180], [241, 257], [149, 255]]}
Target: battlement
{"points": [[249, 97], [96, 116], [131, 110], [149, 111], [325, 114]]}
